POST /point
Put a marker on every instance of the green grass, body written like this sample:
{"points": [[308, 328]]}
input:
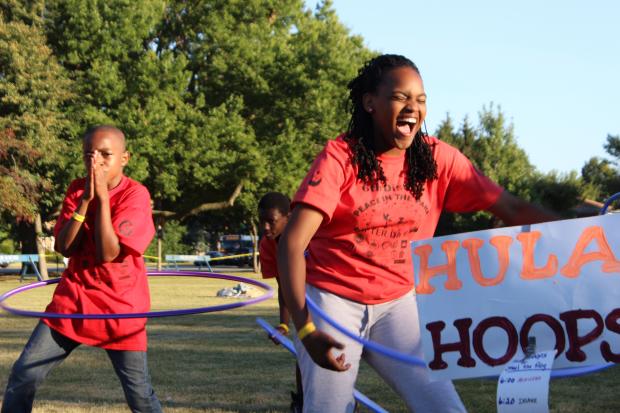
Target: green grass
{"points": [[223, 362]]}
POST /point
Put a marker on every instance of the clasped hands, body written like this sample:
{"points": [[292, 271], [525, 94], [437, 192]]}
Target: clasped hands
{"points": [[96, 177]]}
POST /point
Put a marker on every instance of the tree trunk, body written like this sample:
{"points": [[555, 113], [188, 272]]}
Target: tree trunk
{"points": [[27, 241], [38, 230], [255, 251], [159, 232]]}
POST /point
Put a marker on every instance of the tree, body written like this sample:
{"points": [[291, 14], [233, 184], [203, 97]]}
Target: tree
{"points": [[558, 192], [493, 149], [220, 100], [612, 147], [183, 151], [289, 66], [602, 175], [33, 91]]}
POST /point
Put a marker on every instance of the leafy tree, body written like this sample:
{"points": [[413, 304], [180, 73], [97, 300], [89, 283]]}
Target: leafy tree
{"points": [[33, 91], [289, 66], [602, 175], [172, 242], [493, 149], [558, 192], [266, 82], [221, 101], [612, 147]]}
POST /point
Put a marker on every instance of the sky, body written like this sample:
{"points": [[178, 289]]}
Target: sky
{"points": [[552, 66]]}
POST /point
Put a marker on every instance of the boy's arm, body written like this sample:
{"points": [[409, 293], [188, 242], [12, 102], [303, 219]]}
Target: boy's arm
{"points": [[285, 317], [70, 234], [269, 268], [107, 244]]}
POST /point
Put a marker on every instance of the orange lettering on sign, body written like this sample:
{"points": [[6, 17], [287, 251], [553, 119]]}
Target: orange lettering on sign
{"points": [[579, 257], [426, 272], [529, 270], [502, 245]]}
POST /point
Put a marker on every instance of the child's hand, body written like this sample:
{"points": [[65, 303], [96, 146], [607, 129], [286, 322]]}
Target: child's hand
{"points": [[319, 346], [100, 177], [89, 185], [280, 329]]}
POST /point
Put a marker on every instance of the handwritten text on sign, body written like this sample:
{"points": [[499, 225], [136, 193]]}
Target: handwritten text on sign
{"points": [[481, 294], [523, 386]]}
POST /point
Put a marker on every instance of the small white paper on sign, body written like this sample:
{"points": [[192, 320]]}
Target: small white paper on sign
{"points": [[523, 386]]}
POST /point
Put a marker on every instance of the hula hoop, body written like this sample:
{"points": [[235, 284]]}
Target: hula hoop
{"points": [[150, 314], [379, 348], [608, 202], [287, 344], [405, 358]]}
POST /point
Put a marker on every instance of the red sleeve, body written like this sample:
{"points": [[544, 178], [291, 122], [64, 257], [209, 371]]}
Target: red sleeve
{"points": [[132, 219], [322, 185], [268, 259], [69, 204], [468, 189]]}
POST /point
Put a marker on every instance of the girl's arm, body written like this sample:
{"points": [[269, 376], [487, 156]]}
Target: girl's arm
{"points": [[300, 229], [515, 211]]}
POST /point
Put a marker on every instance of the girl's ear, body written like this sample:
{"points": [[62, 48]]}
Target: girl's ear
{"points": [[368, 102]]}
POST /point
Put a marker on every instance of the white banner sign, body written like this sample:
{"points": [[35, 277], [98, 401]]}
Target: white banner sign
{"points": [[482, 294]]}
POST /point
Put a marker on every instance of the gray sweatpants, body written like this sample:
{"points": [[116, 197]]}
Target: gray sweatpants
{"points": [[393, 324]]}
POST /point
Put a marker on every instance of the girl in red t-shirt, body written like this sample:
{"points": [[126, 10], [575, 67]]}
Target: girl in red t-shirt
{"points": [[369, 193]]}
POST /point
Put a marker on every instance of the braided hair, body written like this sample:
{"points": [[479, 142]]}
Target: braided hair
{"points": [[420, 164]]}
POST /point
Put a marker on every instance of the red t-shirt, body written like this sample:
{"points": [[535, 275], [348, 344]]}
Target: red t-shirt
{"points": [[121, 286], [361, 250], [267, 249]]}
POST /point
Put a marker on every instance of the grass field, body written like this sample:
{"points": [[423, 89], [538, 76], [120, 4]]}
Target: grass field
{"points": [[223, 362]]}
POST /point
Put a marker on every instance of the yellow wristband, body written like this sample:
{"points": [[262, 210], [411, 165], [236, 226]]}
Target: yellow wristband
{"points": [[77, 217], [306, 330], [283, 327]]}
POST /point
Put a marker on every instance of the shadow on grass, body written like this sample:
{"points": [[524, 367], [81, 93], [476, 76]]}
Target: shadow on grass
{"points": [[224, 362], [206, 362]]}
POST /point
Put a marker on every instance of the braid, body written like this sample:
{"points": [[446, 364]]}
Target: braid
{"points": [[420, 164]]}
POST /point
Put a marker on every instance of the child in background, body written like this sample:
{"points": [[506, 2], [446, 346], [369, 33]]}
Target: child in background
{"points": [[273, 213], [104, 227]]}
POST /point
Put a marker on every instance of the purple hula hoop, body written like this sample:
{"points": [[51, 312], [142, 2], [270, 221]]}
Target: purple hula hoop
{"points": [[405, 358], [151, 314]]}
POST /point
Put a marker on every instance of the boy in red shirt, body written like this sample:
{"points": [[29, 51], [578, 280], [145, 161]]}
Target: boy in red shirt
{"points": [[104, 227], [273, 212]]}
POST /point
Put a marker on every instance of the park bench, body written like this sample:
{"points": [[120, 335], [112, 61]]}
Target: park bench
{"points": [[30, 261], [195, 260]]}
